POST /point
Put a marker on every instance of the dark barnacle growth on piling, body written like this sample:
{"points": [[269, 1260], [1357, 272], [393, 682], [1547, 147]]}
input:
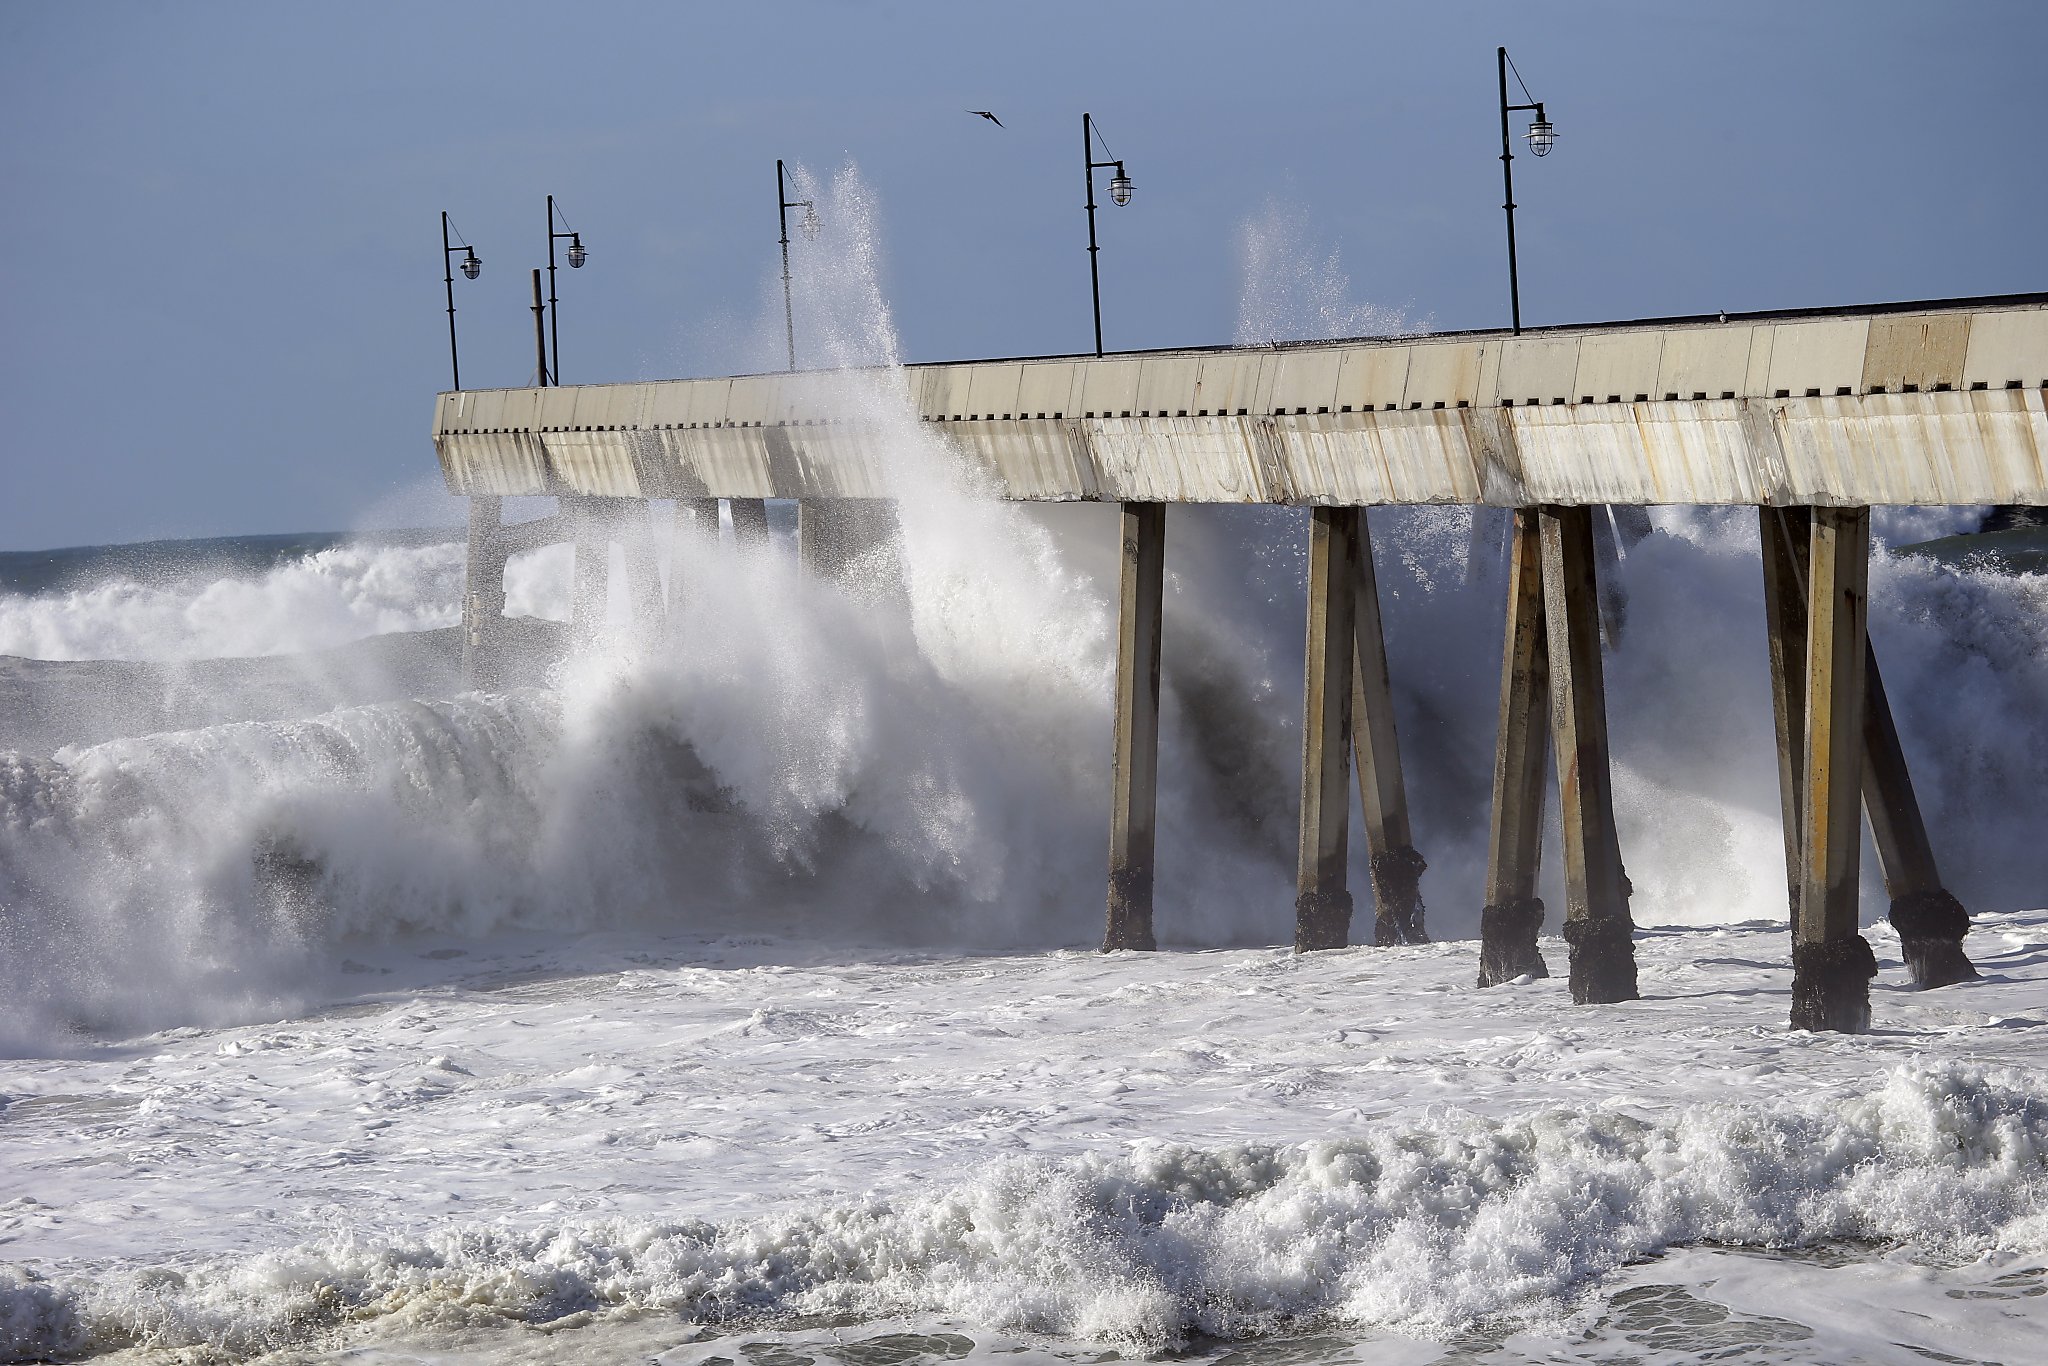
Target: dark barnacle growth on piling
{"points": [[1507, 942], [1397, 890], [1931, 927], [1322, 920], [1130, 911], [1831, 984], [1603, 958]]}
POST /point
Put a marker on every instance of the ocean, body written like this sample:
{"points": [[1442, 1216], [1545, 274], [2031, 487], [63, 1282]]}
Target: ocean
{"points": [[733, 997]]}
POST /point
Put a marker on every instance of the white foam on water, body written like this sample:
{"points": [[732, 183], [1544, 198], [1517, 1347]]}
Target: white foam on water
{"points": [[1432, 1226]]}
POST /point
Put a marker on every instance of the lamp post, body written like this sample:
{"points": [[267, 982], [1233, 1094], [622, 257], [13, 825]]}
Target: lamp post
{"points": [[577, 256], [1119, 194], [811, 225], [1541, 135], [470, 266]]}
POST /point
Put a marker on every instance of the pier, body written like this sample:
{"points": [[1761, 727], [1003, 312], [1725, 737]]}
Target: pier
{"points": [[1811, 417]]}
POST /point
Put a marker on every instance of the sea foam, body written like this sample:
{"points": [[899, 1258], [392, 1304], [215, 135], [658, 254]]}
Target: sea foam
{"points": [[1431, 1227]]}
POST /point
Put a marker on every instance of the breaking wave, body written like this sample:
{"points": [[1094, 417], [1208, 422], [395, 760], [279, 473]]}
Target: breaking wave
{"points": [[918, 751], [314, 602], [1429, 1229]]}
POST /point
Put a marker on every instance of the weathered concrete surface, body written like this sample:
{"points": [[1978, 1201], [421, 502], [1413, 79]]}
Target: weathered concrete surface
{"points": [[1513, 915], [1899, 404], [1322, 902], [1134, 753], [1597, 927], [1831, 963]]}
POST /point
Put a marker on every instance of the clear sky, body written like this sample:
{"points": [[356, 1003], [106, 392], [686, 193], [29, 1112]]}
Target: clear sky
{"points": [[223, 298]]}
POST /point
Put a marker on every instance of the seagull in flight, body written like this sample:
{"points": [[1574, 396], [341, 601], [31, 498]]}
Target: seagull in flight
{"points": [[990, 117]]}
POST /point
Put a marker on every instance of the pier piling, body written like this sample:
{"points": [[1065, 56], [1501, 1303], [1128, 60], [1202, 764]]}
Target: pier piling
{"points": [[1322, 902], [1396, 866], [749, 520], [1597, 927], [589, 599], [1134, 759], [1831, 963], [1931, 922], [1513, 915], [483, 593]]}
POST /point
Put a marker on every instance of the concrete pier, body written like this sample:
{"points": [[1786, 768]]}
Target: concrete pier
{"points": [[1831, 963], [1376, 745], [694, 518], [1785, 535], [1931, 922], [1134, 754], [1811, 416], [1513, 915], [1322, 902], [749, 520], [590, 521], [483, 593], [838, 538], [634, 526], [1597, 927]]}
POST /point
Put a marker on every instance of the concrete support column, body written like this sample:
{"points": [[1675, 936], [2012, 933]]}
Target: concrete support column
{"points": [[1597, 925], [694, 517], [1322, 902], [1784, 534], [483, 593], [1396, 867], [1831, 963], [1513, 915], [635, 526], [839, 538], [749, 520], [1490, 529], [590, 600], [1134, 759], [1613, 593], [1931, 922]]}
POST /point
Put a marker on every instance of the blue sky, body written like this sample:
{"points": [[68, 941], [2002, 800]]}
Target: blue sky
{"points": [[223, 294]]}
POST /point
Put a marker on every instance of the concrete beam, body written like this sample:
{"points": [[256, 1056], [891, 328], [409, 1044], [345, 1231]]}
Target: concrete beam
{"points": [[1376, 745], [1831, 963], [1597, 925], [1937, 403], [1134, 756], [634, 525], [1514, 915], [749, 520], [1322, 903], [590, 587], [483, 593], [1784, 534], [1930, 920]]}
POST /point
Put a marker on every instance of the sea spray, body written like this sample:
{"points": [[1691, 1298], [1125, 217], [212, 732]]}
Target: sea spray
{"points": [[1432, 1227], [926, 764]]}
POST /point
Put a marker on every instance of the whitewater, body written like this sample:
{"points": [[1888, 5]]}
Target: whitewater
{"points": [[733, 998]]}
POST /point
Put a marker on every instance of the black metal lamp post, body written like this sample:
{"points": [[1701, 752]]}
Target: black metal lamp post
{"points": [[1119, 194], [577, 256], [470, 266], [811, 225], [1541, 135]]}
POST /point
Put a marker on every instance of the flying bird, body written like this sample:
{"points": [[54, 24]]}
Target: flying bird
{"points": [[990, 117]]}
